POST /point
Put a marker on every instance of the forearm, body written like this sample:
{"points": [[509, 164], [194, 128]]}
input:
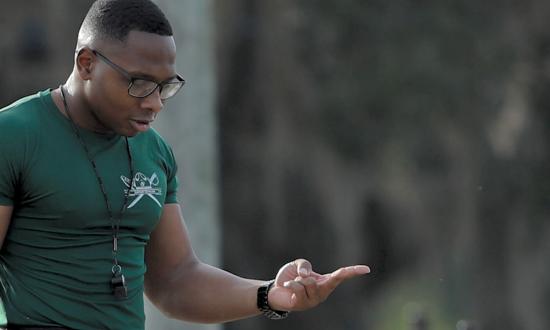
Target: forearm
{"points": [[184, 288], [205, 294]]}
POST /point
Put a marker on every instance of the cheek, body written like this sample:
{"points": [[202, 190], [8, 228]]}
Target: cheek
{"points": [[115, 103], [110, 101], [112, 94]]}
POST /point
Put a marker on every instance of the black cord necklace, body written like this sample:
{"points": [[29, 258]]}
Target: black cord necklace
{"points": [[118, 282]]}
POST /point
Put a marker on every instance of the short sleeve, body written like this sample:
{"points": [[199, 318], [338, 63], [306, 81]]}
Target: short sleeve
{"points": [[172, 179], [9, 169]]}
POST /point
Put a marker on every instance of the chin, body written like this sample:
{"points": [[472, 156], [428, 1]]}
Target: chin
{"points": [[129, 134], [127, 131]]}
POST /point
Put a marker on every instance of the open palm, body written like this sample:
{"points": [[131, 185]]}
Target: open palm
{"points": [[298, 287]]}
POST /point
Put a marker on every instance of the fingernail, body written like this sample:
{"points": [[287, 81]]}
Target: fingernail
{"points": [[304, 272], [363, 269]]}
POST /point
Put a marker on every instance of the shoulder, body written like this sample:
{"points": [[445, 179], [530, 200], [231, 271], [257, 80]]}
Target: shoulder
{"points": [[152, 144], [18, 123], [19, 116], [26, 103], [152, 140], [24, 123]]}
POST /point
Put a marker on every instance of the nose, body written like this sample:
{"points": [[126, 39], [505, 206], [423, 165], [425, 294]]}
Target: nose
{"points": [[153, 102]]}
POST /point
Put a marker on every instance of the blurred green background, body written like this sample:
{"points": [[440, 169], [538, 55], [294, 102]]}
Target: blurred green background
{"points": [[411, 136]]}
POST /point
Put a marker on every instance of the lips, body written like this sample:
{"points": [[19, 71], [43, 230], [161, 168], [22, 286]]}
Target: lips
{"points": [[141, 125]]}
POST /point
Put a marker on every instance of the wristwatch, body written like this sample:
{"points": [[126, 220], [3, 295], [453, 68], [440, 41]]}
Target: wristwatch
{"points": [[263, 304]]}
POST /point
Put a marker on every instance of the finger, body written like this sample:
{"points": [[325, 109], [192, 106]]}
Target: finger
{"points": [[303, 267], [356, 270], [300, 298], [299, 295], [287, 272], [315, 275], [311, 288], [335, 278]]}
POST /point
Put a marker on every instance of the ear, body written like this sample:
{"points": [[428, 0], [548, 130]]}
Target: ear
{"points": [[85, 63]]}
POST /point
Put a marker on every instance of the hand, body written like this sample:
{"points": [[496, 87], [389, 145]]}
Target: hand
{"points": [[297, 287]]}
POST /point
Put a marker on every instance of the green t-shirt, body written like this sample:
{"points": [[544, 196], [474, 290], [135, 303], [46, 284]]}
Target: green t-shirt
{"points": [[56, 260]]}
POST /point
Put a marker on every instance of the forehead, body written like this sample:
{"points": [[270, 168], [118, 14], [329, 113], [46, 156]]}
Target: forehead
{"points": [[144, 53]]}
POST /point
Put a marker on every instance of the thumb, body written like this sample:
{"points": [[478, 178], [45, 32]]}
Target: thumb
{"points": [[303, 267]]}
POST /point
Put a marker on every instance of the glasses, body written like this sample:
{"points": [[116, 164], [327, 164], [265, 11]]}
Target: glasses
{"points": [[142, 88]]}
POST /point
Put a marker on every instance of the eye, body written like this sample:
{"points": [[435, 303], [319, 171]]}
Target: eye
{"points": [[141, 87], [144, 84]]}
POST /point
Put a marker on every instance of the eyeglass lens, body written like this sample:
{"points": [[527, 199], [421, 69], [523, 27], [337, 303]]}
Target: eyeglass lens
{"points": [[143, 88]]}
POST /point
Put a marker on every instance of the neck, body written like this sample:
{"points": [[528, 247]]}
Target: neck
{"points": [[77, 110]]}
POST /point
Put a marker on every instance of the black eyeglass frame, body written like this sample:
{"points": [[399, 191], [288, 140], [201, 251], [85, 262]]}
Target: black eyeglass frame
{"points": [[132, 79]]}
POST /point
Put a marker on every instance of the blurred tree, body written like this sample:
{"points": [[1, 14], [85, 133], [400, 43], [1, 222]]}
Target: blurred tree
{"points": [[188, 124], [409, 135]]}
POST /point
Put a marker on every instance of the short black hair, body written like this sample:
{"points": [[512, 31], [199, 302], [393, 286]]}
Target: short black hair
{"points": [[114, 19]]}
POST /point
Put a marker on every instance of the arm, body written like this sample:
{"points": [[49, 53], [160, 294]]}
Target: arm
{"points": [[5, 219], [185, 288]]}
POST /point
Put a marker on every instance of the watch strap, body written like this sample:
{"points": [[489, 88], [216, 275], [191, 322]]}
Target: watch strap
{"points": [[263, 305]]}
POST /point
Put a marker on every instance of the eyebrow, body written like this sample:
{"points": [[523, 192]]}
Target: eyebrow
{"points": [[132, 74]]}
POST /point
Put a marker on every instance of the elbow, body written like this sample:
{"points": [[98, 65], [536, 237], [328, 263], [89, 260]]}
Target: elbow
{"points": [[183, 310], [170, 293]]}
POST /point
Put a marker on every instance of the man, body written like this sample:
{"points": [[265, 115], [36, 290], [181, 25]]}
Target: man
{"points": [[89, 218]]}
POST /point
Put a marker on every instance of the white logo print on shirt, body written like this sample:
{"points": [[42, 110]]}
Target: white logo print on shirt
{"points": [[142, 186]]}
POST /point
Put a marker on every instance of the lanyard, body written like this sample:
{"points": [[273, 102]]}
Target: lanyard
{"points": [[118, 282]]}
